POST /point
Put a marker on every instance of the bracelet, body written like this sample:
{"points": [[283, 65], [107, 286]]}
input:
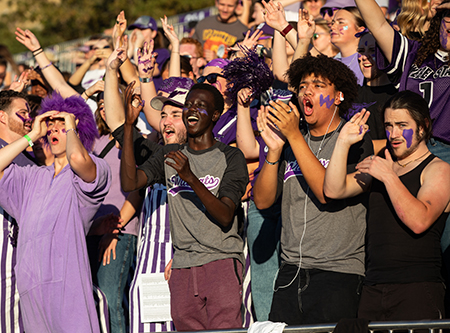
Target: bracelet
{"points": [[145, 79], [39, 49], [84, 92], [286, 30], [72, 129], [35, 54], [30, 142], [46, 66], [272, 163]]}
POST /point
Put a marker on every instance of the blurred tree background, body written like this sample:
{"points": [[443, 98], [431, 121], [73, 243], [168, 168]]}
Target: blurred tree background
{"points": [[56, 21]]}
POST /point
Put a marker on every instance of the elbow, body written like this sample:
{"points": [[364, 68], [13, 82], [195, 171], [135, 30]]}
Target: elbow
{"points": [[419, 229], [127, 186], [331, 193], [261, 204]]}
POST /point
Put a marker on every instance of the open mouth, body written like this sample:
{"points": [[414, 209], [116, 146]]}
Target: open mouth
{"points": [[308, 107], [54, 141], [192, 120]]}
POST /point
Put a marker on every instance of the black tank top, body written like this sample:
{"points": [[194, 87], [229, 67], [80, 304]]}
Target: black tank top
{"points": [[395, 254]]}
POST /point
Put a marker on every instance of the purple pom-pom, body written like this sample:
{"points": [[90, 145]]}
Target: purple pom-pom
{"points": [[247, 72]]}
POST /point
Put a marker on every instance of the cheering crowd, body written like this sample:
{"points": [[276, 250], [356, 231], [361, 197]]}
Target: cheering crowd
{"points": [[286, 162]]}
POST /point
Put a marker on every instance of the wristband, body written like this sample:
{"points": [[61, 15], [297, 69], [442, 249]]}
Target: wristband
{"points": [[272, 163], [72, 129], [84, 92], [286, 30], [30, 142], [145, 79], [46, 66], [39, 49], [35, 54]]}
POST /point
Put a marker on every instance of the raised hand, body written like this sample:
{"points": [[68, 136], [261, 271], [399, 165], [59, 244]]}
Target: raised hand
{"points": [[274, 15], [119, 27], [306, 25], [21, 83], [28, 39], [245, 97], [170, 32], [133, 104], [354, 130], [284, 117], [250, 41], [271, 136], [377, 167], [95, 88], [119, 55], [146, 60]]}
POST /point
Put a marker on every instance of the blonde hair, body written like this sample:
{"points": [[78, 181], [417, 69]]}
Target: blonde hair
{"points": [[412, 17]]}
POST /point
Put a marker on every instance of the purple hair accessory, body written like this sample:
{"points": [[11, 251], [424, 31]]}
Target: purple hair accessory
{"points": [[87, 129], [362, 33], [218, 62], [169, 85], [248, 72]]}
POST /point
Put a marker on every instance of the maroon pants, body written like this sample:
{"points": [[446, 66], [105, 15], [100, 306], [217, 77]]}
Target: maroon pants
{"points": [[207, 297]]}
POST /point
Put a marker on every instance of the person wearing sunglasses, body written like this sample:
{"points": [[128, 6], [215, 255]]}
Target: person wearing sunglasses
{"points": [[332, 6], [321, 40]]}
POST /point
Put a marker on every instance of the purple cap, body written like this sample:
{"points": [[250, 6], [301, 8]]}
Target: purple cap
{"points": [[177, 88], [144, 22], [218, 62], [339, 4]]}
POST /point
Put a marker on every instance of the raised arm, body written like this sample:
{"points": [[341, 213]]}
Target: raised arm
{"points": [[378, 26], [147, 60], [275, 18], [174, 67], [305, 31], [265, 188], [127, 69], [338, 184], [52, 75], [114, 110], [245, 138], [130, 177], [11, 151], [80, 161]]}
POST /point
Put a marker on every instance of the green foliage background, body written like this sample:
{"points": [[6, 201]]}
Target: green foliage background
{"points": [[54, 22]]}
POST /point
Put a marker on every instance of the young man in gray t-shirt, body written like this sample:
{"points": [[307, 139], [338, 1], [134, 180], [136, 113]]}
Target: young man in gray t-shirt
{"points": [[322, 240]]}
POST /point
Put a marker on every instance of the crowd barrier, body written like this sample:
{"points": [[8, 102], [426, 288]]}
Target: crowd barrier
{"points": [[433, 326]]}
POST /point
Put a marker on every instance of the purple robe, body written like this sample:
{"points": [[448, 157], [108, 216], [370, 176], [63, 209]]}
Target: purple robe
{"points": [[54, 215]]}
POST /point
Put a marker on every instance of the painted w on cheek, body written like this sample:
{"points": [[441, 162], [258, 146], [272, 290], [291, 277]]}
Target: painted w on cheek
{"points": [[327, 100]]}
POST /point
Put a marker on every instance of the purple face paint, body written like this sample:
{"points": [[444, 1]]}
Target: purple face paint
{"points": [[388, 135], [408, 135], [443, 34], [24, 120], [327, 100], [143, 103]]}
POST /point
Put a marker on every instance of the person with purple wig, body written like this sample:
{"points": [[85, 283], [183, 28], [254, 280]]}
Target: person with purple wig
{"points": [[54, 206]]}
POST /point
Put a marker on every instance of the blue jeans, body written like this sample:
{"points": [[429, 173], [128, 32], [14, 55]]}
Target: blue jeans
{"points": [[112, 280], [263, 235], [442, 150]]}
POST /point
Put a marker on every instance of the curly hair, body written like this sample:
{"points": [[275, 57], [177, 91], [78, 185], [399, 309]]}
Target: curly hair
{"points": [[87, 129], [431, 41], [336, 72], [413, 16]]}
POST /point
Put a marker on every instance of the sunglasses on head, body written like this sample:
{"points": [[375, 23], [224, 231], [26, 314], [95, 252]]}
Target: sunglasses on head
{"points": [[211, 78], [101, 48], [329, 11]]}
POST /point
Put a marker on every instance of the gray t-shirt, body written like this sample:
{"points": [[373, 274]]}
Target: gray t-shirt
{"points": [[197, 238], [217, 36], [333, 235]]}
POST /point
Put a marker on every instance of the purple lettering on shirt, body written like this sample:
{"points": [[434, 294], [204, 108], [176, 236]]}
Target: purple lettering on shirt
{"points": [[327, 100], [408, 135]]}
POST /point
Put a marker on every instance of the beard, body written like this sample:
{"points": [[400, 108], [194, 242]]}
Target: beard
{"points": [[17, 127]]}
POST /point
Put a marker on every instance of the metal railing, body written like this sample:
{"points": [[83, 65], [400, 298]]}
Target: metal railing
{"points": [[433, 326]]}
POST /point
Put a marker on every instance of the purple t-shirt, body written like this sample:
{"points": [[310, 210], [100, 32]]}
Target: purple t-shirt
{"points": [[115, 198], [431, 80], [225, 128], [352, 63], [54, 215]]}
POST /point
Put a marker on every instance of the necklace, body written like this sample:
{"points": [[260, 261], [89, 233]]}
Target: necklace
{"points": [[404, 165]]}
